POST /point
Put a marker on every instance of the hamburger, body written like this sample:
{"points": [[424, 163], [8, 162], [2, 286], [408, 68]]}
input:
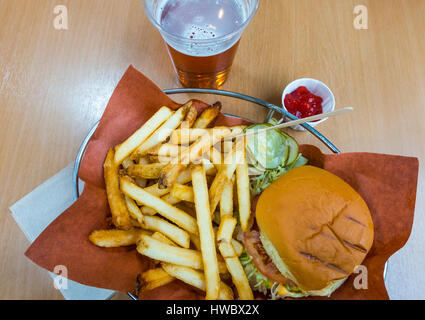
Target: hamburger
{"points": [[312, 230]]}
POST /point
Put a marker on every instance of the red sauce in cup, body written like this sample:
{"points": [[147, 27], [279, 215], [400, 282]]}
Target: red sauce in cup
{"points": [[302, 103]]}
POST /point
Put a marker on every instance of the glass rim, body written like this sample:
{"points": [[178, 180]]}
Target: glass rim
{"points": [[221, 38]]}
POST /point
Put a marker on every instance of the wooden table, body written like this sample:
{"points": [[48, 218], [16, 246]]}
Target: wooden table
{"points": [[54, 85]]}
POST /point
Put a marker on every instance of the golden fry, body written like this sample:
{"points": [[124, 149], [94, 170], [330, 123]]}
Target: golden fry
{"points": [[160, 251], [224, 175], [120, 214], [206, 233], [154, 274], [186, 135], [191, 116], [127, 162], [160, 237], [115, 238], [179, 217], [244, 199], [238, 247], [155, 278], [170, 172], [146, 171], [182, 192], [133, 209], [170, 230], [196, 279], [167, 198], [135, 140], [239, 278], [162, 133], [226, 200], [167, 150], [227, 226], [216, 157], [208, 116]]}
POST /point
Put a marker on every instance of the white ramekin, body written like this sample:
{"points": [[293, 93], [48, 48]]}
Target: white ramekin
{"points": [[316, 87]]}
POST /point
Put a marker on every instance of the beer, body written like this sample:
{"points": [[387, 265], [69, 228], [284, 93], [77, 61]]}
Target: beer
{"points": [[202, 37], [203, 72]]}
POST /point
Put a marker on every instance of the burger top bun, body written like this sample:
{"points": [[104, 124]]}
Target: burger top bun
{"points": [[315, 227]]}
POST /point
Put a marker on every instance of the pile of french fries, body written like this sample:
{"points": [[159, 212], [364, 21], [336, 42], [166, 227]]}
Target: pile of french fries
{"points": [[173, 187]]}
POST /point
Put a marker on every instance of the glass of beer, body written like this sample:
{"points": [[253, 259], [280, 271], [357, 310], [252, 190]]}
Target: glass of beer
{"points": [[202, 36]]}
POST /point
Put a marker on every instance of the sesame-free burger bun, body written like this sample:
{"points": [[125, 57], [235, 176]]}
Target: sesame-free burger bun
{"points": [[315, 227]]}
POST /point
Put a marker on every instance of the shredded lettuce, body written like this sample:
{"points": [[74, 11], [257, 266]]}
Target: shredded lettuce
{"points": [[261, 182], [270, 155], [256, 279]]}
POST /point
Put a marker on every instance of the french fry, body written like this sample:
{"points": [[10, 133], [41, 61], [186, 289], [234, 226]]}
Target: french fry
{"points": [[226, 250], [171, 231], [135, 140], [238, 247], [186, 135], [227, 226], [146, 171], [155, 278], [206, 233], [202, 145], [133, 209], [161, 159], [208, 116], [216, 157], [162, 133], [170, 172], [179, 217], [127, 162], [184, 177], [115, 238], [224, 175], [141, 182], [160, 251], [196, 279], [154, 274], [167, 150], [119, 211], [224, 238], [182, 192], [210, 169], [167, 198], [239, 278], [196, 241], [160, 237], [191, 116], [244, 199], [157, 283], [226, 200]]}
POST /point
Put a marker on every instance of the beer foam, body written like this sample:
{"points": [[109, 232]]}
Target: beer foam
{"points": [[201, 20]]}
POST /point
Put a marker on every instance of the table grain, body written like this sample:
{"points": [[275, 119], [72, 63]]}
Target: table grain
{"points": [[55, 84]]}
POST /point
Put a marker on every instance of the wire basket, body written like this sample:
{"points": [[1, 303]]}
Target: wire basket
{"points": [[271, 109]]}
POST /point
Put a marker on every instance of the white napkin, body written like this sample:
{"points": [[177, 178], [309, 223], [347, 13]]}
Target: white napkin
{"points": [[33, 213], [38, 209]]}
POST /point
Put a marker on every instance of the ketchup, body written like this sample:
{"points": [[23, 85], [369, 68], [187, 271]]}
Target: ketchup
{"points": [[302, 103]]}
